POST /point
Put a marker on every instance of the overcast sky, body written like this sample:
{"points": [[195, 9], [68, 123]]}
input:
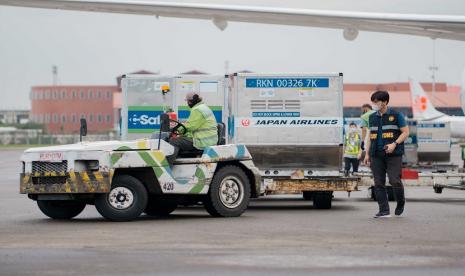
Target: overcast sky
{"points": [[93, 48]]}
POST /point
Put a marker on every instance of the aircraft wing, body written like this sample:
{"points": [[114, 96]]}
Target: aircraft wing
{"points": [[434, 26]]}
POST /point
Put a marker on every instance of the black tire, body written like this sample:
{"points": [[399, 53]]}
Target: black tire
{"points": [[322, 200], [61, 209], [160, 207], [126, 201], [307, 195], [216, 204]]}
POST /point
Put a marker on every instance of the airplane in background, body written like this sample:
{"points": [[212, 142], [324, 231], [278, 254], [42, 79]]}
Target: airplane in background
{"points": [[423, 110], [351, 22]]}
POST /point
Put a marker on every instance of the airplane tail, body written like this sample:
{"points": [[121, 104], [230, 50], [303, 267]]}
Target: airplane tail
{"points": [[422, 107]]}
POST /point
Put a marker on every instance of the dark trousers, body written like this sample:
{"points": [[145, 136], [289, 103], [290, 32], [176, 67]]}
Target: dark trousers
{"points": [[180, 144], [348, 162], [392, 165]]}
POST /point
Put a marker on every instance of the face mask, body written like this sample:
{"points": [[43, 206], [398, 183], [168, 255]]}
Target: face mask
{"points": [[352, 130], [375, 107], [194, 101]]}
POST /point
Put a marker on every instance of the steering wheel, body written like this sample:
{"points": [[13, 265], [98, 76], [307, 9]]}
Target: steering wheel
{"points": [[177, 126]]}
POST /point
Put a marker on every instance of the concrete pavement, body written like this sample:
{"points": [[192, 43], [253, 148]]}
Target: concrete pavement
{"points": [[276, 235]]}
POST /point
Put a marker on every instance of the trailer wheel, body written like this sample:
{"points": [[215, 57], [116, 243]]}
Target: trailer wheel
{"points": [[322, 200], [307, 195], [229, 193], [438, 190], [160, 207], [60, 209], [126, 200]]}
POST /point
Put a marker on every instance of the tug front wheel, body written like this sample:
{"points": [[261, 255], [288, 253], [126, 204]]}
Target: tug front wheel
{"points": [[229, 193], [60, 209], [126, 200]]}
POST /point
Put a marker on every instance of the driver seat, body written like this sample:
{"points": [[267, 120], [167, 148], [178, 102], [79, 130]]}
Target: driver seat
{"points": [[197, 153]]}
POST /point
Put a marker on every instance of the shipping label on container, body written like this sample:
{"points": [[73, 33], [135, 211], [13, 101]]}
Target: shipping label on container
{"points": [[289, 122], [287, 83], [275, 114], [431, 125], [433, 133], [267, 93]]}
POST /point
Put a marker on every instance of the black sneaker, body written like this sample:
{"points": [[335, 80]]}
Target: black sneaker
{"points": [[382, 215], [399, 209]]}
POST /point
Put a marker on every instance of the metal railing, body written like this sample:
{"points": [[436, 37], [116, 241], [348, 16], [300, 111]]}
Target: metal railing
{"points": [[35, 137]]}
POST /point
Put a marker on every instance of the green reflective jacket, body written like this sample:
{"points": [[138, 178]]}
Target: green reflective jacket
{"points": [[352, 145], [201, 126], [365, 118]]}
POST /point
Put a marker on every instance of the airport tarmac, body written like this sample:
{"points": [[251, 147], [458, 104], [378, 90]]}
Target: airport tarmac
{"points": [[276, 235]]}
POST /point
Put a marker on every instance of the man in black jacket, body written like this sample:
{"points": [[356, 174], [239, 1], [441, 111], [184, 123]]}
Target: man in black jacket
{"points": [[384, 150]]}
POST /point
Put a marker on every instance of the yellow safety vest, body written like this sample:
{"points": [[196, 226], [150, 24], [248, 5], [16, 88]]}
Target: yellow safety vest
{"points": [[352, 147]]}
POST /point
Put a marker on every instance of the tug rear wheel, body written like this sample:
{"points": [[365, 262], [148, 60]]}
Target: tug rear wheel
{"points": [[229, 193]]}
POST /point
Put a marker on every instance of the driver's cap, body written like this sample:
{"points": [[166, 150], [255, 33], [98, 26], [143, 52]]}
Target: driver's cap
{"points": [[190, 96]]}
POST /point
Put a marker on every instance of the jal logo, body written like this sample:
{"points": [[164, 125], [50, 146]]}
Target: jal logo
{"points": [[391, 118], [245, 122], [144, 120]]}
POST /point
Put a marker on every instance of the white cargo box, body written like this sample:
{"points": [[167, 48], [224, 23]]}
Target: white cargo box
{"points": [[145, 97], [288, 121], [434, 141]]}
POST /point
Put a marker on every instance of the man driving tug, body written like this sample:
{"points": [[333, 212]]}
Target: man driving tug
{"points": [[198, 132]]}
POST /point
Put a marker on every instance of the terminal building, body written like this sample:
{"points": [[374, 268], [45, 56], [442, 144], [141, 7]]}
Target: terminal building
{"points": [[60, 108]]}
